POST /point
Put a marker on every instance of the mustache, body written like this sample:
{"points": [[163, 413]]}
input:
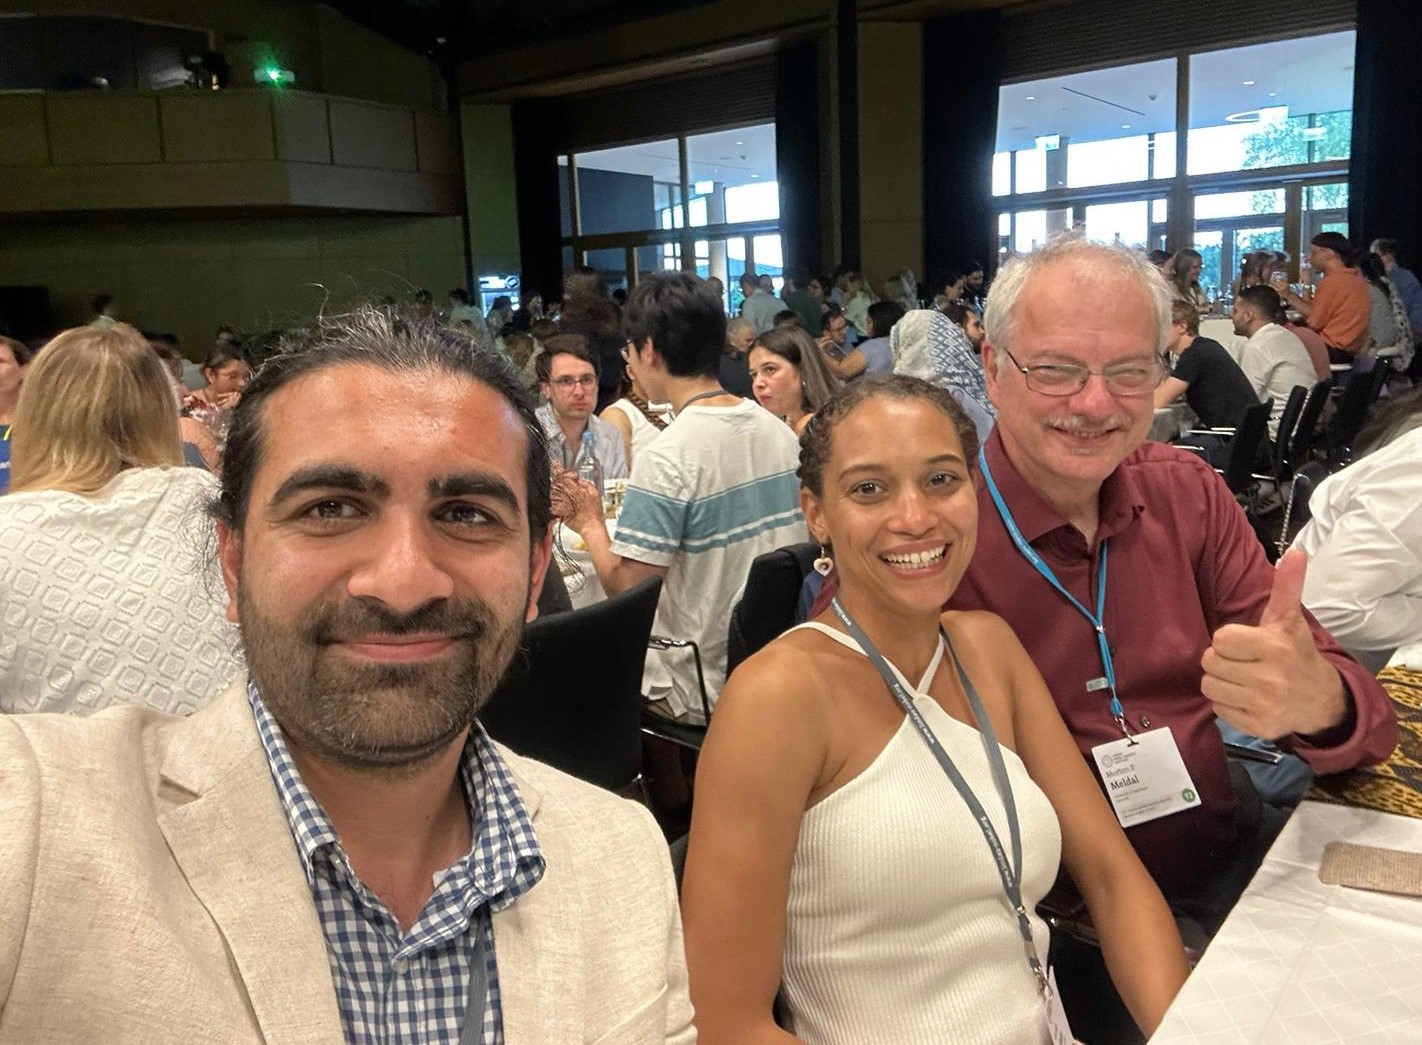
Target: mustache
{"points": [[1077, 424], [354, 618]]}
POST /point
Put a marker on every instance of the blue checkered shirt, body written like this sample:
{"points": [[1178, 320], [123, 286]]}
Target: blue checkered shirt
{"points": [[412, 988]]}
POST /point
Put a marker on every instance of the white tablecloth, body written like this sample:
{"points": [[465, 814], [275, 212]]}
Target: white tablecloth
{"points": [[576, 565], [1301, 962]]}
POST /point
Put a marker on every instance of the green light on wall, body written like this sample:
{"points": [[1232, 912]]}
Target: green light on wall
{"points": [[275, 75]]}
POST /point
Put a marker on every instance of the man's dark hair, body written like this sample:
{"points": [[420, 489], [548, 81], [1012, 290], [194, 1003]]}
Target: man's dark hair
{"points": [[18, 349], [574, 345], [788, 317], [1266, 300], [969, 267], [1339, 244], [459, 294], [832, 311], [1159, 257], [1390, 247], [957, 312], [683, 319], [884, 314], [385, 340]]}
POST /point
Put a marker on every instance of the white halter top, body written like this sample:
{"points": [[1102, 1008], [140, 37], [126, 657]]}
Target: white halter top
{"points": [[898, 932]]}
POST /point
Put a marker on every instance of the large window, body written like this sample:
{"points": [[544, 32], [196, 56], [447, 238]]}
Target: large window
{"points": [[1266, 132], [708, 203]]}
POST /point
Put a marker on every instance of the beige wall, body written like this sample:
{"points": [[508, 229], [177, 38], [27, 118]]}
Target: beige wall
{"points": [[492, 191], [890, 149], [362, 64], [188, 277]]}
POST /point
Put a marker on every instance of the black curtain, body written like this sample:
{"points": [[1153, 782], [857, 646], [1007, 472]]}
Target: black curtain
{"points": [[797, 156], [847, 84], [962, 70], [536, 174], [1385, 197]]}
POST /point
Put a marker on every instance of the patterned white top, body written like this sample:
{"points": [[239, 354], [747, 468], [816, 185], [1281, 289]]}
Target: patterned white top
{"points": [[114, 598]]}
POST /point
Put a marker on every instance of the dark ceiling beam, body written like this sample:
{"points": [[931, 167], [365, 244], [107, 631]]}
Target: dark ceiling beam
{"points": [[719, 29]]}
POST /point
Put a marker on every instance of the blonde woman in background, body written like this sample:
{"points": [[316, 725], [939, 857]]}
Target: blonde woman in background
{"points": [[126, 603], [1183, 273]]}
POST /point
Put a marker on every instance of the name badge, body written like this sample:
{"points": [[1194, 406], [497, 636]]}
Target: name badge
{"points": [[1057, 1025], [1145, 778]]}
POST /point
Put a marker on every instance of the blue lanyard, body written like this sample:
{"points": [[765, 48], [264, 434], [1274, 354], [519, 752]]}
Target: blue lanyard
{"points": [[1097, 619], [1009, 871]]}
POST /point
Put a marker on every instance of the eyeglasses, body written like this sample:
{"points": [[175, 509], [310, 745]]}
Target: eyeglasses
{"points": [[567, 384], [1065, 379]]}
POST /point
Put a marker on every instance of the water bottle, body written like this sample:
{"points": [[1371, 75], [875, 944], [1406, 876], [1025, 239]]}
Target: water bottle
{"points": [[587, 463]]}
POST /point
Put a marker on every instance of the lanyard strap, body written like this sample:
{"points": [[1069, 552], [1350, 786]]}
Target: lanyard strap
{"points": [[1010, 873], [703, 395], [472, 1033], [1097, 620]]}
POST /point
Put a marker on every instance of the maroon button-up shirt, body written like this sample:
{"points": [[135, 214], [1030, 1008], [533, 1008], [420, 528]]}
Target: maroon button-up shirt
{"points": [[1183, 561]]}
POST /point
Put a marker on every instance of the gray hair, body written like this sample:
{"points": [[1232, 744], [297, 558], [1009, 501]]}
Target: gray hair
{"points": [[736, 325], [1092, 263]]}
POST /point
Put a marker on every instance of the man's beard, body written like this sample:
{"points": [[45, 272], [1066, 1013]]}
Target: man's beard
{"points": [[368, 715]]}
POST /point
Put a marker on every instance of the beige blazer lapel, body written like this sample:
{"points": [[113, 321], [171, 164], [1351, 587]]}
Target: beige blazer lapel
{"points": [[540, 952], [229, 835]]}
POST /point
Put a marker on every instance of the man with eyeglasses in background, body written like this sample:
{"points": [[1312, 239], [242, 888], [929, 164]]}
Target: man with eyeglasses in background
{"points": [[1187, 620], [567, 378]]}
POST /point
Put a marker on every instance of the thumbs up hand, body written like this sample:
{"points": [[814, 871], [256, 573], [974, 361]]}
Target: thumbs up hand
{"points": [[1268, 679]]}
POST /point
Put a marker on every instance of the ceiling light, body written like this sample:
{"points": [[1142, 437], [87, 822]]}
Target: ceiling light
{"points": [[1273, 94], [1031, 97], [755, 175], [1249, 83], [740, 143], [1125, 126]]}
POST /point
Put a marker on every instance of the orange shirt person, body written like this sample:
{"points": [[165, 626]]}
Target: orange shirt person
{"points": [[1340, 307]]}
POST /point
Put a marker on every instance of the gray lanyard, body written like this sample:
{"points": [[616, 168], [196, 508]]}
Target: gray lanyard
{"points": [[472, 1033], [1011, 873]]}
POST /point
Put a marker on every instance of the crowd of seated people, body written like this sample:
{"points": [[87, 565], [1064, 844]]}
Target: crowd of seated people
{"points": [[272, 654]]}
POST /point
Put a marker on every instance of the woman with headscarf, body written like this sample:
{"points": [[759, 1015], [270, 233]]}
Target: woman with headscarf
{"points": [[929, 345]]}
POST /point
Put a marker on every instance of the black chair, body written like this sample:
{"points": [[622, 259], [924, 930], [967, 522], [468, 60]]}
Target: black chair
{"points": [[767, 606], [573, 695], [1249, 436], [1359, 394], [1244, 446], [1296, 509], [1289, 419], [1306, 430], [681, 732]]}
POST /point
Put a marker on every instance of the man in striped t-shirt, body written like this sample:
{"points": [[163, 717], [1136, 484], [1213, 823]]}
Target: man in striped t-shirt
{"points": [[715, 490]]}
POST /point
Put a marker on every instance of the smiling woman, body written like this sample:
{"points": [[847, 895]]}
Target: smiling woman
{"points": [[846, 818]]}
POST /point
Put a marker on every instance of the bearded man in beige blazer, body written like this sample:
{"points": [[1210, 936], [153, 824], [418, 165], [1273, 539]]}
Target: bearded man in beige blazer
{"points": [[328, 852]]}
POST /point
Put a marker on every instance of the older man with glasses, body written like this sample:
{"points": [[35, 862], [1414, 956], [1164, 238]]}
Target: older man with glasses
{"points": [[567, 378], [1139, 587]]}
